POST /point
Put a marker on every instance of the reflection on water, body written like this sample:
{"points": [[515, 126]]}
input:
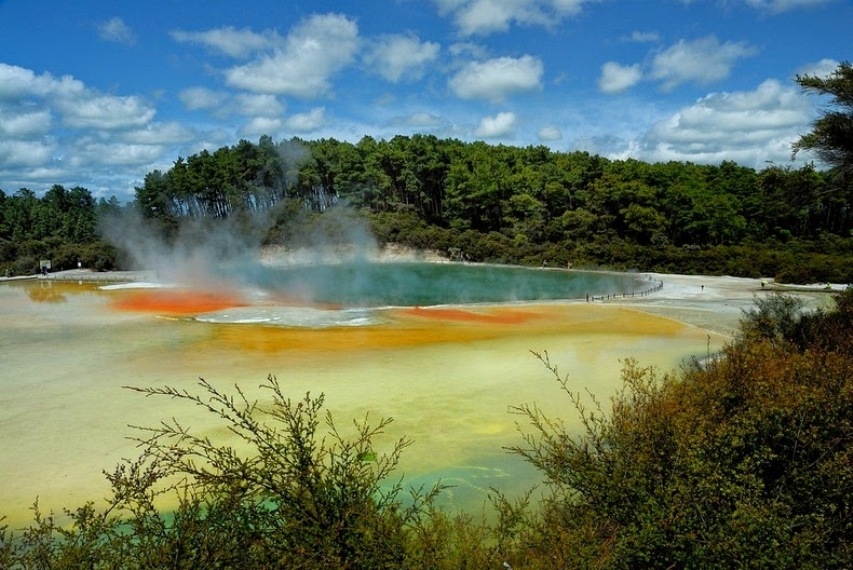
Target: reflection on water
{"points": [[46, 293], [447, 375]]}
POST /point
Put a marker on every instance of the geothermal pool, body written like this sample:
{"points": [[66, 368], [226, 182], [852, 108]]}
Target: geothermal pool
{"points": [[446, 373]]}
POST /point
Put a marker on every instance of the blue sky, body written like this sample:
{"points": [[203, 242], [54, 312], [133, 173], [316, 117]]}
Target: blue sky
{"points": [[99, 93]]}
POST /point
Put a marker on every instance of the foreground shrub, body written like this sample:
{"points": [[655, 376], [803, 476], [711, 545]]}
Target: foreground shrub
{"points": [[743, 461], [294, 498]]}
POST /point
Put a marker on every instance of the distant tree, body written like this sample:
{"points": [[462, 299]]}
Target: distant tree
{"points": [[832, 136]]}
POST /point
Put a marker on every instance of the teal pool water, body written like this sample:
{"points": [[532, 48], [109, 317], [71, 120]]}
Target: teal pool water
{"points": [[371, 284]]}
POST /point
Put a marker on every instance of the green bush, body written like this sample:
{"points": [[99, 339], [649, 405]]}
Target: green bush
{"points": [[297, 499], [740, 461]]}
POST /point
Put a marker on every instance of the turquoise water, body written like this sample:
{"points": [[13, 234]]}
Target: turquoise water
{"points": [[370, 284]]}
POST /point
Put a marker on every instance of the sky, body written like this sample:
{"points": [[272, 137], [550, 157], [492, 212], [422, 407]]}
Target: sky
{"points": [[98, 93]]}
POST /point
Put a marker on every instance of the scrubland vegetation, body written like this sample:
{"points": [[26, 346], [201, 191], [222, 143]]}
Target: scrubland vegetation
{"points": [[743, 460]]}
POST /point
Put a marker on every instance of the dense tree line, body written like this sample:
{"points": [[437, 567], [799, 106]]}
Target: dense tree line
{"points": [[533, 192], [525, 205], [740, 461], [60, 226]]}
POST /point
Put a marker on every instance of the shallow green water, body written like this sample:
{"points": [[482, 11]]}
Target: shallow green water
{"points": [[368, 284]]}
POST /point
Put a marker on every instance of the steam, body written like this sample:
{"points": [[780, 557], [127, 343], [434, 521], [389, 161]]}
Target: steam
{"points": [[217, 254], [194, 257], [214, 253]]}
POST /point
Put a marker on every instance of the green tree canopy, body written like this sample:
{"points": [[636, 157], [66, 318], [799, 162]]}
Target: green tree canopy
{"points": [[832, 136]]}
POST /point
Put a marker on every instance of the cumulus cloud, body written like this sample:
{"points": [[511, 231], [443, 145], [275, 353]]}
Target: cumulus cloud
{"points": [[420, 119], [257, 126], [115, 30], [201, 98], [701, 61], [159, 134], [750, 127], [313, 51], [105, 112], [307, 122], [483, 17], [55, 128], [78, 106], [501, 125], [17, 83], [258, 104], [822, 68], [549, 133], [25, 123], [24, 153], [400, 56], [229, 41], [495, 79], [615, 78], [88, 151]]}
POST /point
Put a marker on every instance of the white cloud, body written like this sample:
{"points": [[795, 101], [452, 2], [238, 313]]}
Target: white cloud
{"points": [[468, 50], [105, 112], [501, 125], [95, 136], [115, 30], [822, 68], [644, 37], [79, 107], [779, 6], [261, 126], [615, 78], [24, 124], [421, 119], [88, 152], [750, 127], [195, 98], [229, 41], [223, 104], [488, 16], [24, 153], [316, 49], [401, 56], [702, 61], [258, 104], [549, 133], [159, 133], [17, 82], [495, 79], [307, 122]]}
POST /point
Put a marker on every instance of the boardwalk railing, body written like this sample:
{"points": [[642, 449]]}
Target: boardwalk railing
{"points": [[95, 277], [654, 287]]}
